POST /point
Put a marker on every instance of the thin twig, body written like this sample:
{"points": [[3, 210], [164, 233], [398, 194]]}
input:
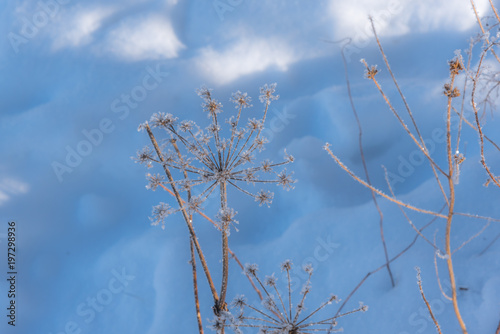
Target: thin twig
{"points": [[403, 124], [361, 152], [473, 237], [489, 245], [185, 215], [233, 255], [383, 266], [354, 176], [422, 141], [481, 27], [472, 126], [476, 216], [419, 280], [406, 216], [478, 124]]}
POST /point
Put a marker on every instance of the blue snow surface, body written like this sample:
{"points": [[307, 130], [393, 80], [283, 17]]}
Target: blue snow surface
{"points": [[78, 77]]}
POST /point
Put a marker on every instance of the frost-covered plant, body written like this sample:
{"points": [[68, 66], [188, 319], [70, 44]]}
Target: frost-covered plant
{"points": [[212, 157], [214, 160], [278, 315], [446, 175]]}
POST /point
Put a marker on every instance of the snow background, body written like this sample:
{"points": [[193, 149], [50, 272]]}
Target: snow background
{"points": [[72, 234]]}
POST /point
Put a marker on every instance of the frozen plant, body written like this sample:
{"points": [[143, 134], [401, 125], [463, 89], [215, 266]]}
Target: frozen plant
{"points": [[211, 158], [278, 315]]}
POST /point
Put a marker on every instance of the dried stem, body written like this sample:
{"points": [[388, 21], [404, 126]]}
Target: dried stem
{"points": [[473, 237], [481, 25], [185, 215], [195, 287], [489, 245], [360, 141], [354, 176], [225, 256], [383, 266], [451, 202], [422, 141], [406, 216], [233, 255], [494, 11], [473, 127], [478, 124], [419, 279], [248, 276], [403, 124]]}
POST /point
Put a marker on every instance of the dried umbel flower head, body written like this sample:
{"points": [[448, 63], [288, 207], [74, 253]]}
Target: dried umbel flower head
{"points": [[456, 65], [448, 91], [278, 316], [218, 156]]}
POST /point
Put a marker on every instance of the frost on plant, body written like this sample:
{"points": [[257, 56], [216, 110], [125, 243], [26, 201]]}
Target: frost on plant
{"points": [[277, 314], [223, 153]]}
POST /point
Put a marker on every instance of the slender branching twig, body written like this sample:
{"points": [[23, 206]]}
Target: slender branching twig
{"points": [[493, 178], [406, 216], [370, 74], [478, 19], [422, 141], [390, 261]]}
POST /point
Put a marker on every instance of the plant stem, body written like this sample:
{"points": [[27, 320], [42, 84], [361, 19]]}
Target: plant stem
{"points": [[233, 255], [225, 255], [426, 302], [450, 211], [195, 287], [361, 152], [185, 215]]}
